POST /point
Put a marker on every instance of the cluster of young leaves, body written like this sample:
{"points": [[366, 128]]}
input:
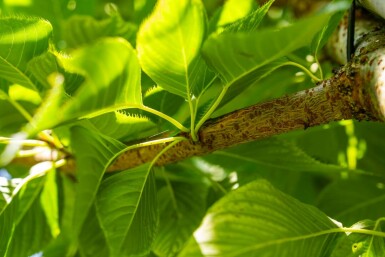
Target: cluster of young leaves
{"points": [[79, 78]]}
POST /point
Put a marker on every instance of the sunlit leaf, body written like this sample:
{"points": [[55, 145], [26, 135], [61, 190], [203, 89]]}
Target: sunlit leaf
{"points": [[169, 43], [21, 40], [250, 22], [112, 78], [259, 220]]}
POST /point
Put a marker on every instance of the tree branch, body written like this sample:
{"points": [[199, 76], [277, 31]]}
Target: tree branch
{"points": [[356, 91]]}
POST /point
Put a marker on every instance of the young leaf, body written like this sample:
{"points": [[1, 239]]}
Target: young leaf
{"points": [[21, 40], [259, 220], [126, 208], [321, 39], [169, 43], [182, 207], [237, 55]]}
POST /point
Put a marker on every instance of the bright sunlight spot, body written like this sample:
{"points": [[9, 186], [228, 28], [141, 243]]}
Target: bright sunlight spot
{"points": [[18, 2]]}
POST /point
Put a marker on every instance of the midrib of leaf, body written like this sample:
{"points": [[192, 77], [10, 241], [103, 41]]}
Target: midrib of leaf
{"points": [[361, 205], [304, 237], [188, 89], [265, 163]]}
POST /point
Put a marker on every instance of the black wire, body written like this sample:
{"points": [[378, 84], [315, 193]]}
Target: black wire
{"points": [[350, 37]]}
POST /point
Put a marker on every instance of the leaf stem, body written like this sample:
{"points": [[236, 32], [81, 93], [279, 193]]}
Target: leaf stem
{"points": [[303, 68], [174, 122], [146, 144], [174, 141], [212, 108]]}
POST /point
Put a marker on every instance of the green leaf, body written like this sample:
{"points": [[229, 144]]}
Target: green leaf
{"points": [[82, 30], [234, 10], [361, 245], [169, 43], [182, 207], [20, 203], [22, 39], [238, 55], [353, 199], [124, 127], [250, 22], [50, 203], [321, 39], [126, 208], [93, 152], [32, 233], [272, 152], [259, 220], [112, 74], [92, 242]]}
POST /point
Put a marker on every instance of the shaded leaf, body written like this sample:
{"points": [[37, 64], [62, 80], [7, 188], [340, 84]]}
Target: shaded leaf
{"points": [[92, 242], [259, 220], [272, 152], [353, 199], [179, 217], [81, 30], [93, 152], [125, 208]]}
